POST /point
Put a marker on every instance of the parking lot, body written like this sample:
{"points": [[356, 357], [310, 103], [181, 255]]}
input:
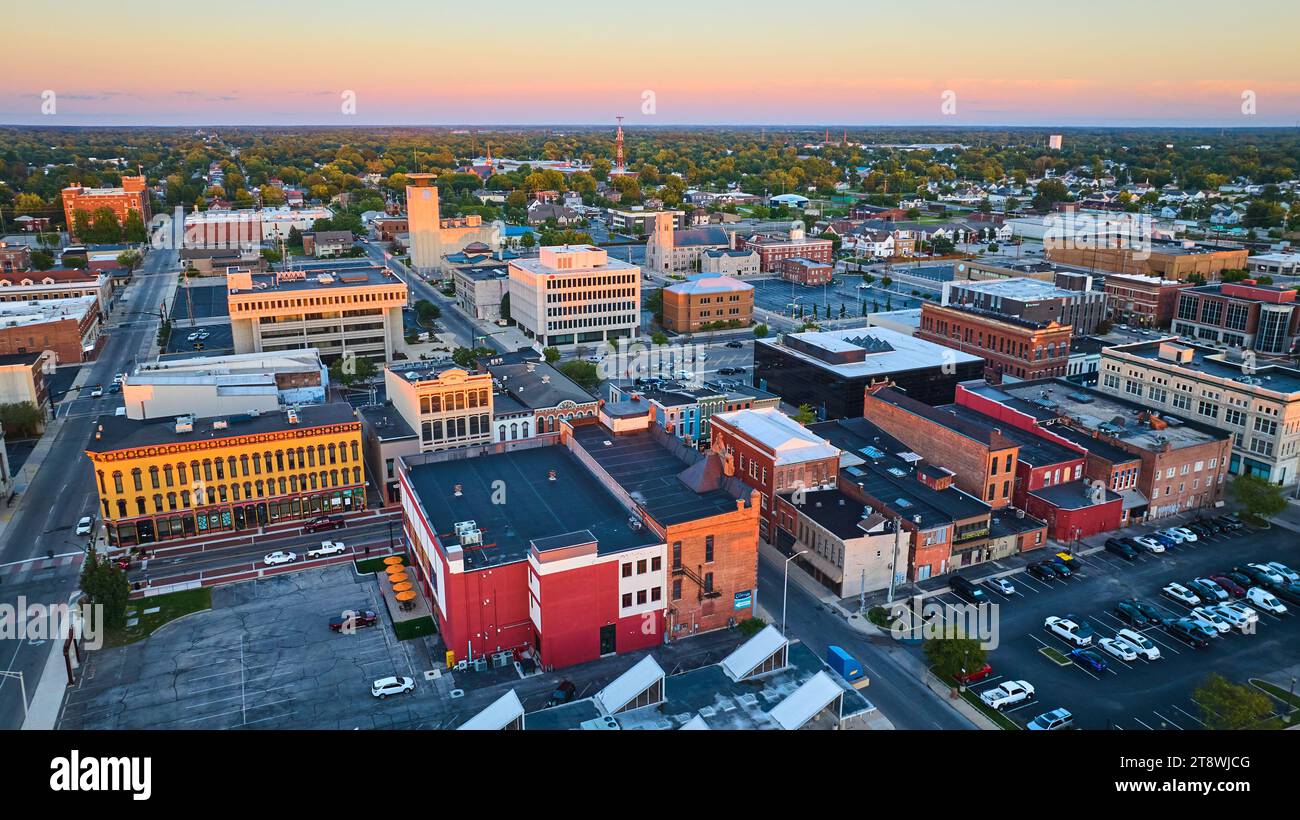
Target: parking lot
{"points": [[219, 338], [778, 295], [1138, 694], [262, 657], [206, 302]]}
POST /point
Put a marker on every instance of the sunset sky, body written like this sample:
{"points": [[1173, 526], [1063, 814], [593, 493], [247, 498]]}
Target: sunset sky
{"points": [[1137, 62]]}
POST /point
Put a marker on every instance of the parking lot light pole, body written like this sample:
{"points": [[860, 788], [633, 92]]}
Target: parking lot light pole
{"points": [[785, 586], [1290, 712]]}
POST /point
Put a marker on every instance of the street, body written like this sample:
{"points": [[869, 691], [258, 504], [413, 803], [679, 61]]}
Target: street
{"points": [[63, 491]]}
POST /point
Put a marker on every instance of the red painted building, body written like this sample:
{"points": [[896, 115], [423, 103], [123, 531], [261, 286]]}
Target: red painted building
{"points": [[578, 544], [774, 249], [1019, 348]]}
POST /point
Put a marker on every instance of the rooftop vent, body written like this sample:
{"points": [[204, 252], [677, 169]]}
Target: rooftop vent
{"points": [[185, 424]]}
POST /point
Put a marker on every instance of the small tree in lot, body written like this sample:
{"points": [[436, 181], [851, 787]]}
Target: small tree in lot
{"points": [[954, 655], [1258, 498]]}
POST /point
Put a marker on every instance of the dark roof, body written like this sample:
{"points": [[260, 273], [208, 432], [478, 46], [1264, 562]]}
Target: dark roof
{"points": [[536, 509], [705, 235], [1072, 496], [1094, 445], [29, 358], [387, 423], [835, 511], [1035, 450], [120, 432], [538, 385], [890, 479], [979, 428], [644, 466]]}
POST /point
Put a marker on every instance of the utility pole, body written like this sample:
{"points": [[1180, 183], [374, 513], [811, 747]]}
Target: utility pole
{"points": [[893, 565]]}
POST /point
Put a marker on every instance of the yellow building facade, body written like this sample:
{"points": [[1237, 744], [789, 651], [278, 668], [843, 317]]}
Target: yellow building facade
{"points": [[164, 480]]}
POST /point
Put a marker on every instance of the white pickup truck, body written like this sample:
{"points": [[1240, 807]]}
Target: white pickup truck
{"points": [[1069, 630], [326, 548], [1007, 694]]}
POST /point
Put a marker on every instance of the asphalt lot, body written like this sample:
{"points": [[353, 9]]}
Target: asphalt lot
{"points": [[262, 657], [219, 337], [777, 295], [1138, 694], [207, 301]]}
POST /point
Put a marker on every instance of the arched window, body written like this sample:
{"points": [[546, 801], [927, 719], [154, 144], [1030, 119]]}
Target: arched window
{"points": [[356, 475], [136, 479], [121, 508], [100, 475], [523, 429], [139, 504], [171, 501], [157, 502], [117, 481], [514, 431], [248, 489], [283, 488], [153, 477], [167, 475]]}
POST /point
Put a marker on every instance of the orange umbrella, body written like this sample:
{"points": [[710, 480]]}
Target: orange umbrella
{"points": [[408, 595], [403, 587], [399, 578], [395, 569], [393, 559]]}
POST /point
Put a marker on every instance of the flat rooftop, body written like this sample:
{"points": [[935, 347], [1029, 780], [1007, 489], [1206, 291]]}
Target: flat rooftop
{"points": [[1023, 289], [1035, 450], [121, 433], [648, 471], [1213, 362], [1094, 410], [534, 509], [387, 422], [336, 277], [882, 351]]}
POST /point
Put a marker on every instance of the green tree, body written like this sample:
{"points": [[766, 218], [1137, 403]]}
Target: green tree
{"points": [[950, 655], [468, 356], [1258, 497], [107, 587], [22, 419], [551, 354], [129, 259], [583, 373], [104, 227], [527, 240], [806, 414], [42, 260], [427, 311], [350, 369], [1228, 705], [133, 229], [760, 331], [659, 338]]}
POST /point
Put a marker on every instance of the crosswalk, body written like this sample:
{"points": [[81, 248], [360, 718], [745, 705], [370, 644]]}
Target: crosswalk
{"points": [[18, 572]]}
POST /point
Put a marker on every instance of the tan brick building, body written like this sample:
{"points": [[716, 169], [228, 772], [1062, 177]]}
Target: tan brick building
{"points": [[705, 300], [1019, 348], [1175, 262]]}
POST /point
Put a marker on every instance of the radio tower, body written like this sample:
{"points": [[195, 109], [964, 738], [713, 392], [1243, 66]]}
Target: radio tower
{"points": [[618, 146]]}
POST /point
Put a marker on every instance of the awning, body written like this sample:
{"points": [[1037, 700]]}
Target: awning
{"points": [[807, 701], [754, 652], [499, 714]]}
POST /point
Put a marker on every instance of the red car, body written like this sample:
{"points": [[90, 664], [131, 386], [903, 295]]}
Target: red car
{"points": [[325, 522], [1230, 586], [974, 675], [359, 617]]}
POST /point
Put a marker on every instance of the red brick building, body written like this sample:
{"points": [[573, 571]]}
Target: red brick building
{"points": [[132, 196], [806, 271], [983, 460], [66, 326], [707, 299], [771, 452], [14, 258], [774, 249], [1144, 301], [1017, 347], [605, 542]]}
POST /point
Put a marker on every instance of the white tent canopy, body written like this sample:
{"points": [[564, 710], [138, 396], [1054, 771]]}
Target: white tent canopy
{"points": [[807, 701], [499, 714], [629, 686], [754, 652], [696, 723]]}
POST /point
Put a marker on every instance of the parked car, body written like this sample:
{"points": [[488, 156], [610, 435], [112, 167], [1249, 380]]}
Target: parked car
{"points": [[354, 618], [1058, 566], [1182, 594], [1289, 592], [1154, 614], [967, 590], [1187, 534], [1089, 660], [1266, 573], [1185, 630], [96, 391], [1131, 615], [1229, 586], [393, 685], [1217, 592], [1139, 643], [1262, 599], [1149, 544], [736, 345], [1068, 630], [1002, 585], [85, 525], [1241, 579], [1173, 535], [279, 557], [1283, 570], [1230, 522], [324, 522], [115, 387], [1234, 614], [1120, 548], [1049, 721], [1162, 539], [564, 692], [974, 675], [1041, 571], [1204, 615], [326, 548], [1200, 529], [1118, 648], [1008, 693]]}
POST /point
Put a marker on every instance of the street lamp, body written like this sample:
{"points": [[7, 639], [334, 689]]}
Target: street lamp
{"points": [[785, 586]]}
